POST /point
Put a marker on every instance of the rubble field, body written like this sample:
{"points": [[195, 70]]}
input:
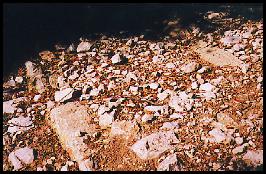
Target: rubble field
{"points": [[192, 101]]}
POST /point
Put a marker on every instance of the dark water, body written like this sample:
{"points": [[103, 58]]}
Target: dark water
{"points": [[31, 28]]}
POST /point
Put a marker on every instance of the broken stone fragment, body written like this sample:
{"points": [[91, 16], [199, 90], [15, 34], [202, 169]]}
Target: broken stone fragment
{"points": [[162, 96], [154, 85], [206, 87], [239, 149], [169, 164], [218, 135], [32, 71], [18, 156], [25, 155], [65, 94], [8, 107], [106, 119], [14, 161], [86, 165], [19, 79], [191, 67], [84, 46], [116, 59], [170, 65], [152, 146], [10, 83], [19, 124], [254, 157], [169, 126], [40, 86], [67, 120]]}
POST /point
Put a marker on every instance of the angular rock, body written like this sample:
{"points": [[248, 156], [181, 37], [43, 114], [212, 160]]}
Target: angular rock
{"points": [[8, 107], [154, 85], [169, 164], [169, 126], [162, 96], [19, 79], [68, 120], [14, 161], [206, 87], [116, 59], [254, 157], [47, 55], [239, 149], [106, 119], [84, 46], [170, 65], [25, 155], [65, 94], [152, 146], [19, 124], [218, 135], [191, 67]]}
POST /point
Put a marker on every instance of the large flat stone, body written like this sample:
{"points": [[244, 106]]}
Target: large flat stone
{"points": [[216, 56], [154, 145], [69, 120]]}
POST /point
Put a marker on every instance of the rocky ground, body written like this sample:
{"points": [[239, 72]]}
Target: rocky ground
{"points": [[191, 101]]}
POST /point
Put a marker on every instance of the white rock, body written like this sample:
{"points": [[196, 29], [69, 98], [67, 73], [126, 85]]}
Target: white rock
{"points": [[50, 104], [106, 119], [239, 140], [239, 149], [40, 86], [194, 85], [133, 88], [94, 92], [154, 145], [190, 67], [162, 96], [94, 107], [228, 40], [153, 108], [155, 59], [170, 65], [170, 126], [244, 68], [209, 95], [259, 79], [10, 83], [36, 98], [146, 117], [254, 157], [25, 155], [246, 35], [129, 42], [65, 94], [8, 107], [154, 85], [21, 121], [116, 59], [19, 79], [130, 76], [206, 87], [84, 46], [169, 164], [85, 165], [176, 115], [202, 70], [14, 161], [102, 109], [218, 135], [64, 168]]}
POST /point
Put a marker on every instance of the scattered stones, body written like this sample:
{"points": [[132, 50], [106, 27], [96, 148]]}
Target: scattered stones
{"points": [[65, 94], [218, 135], [170, 126], [206, 87], [19, 124], [155, 144], [47, 55]]}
